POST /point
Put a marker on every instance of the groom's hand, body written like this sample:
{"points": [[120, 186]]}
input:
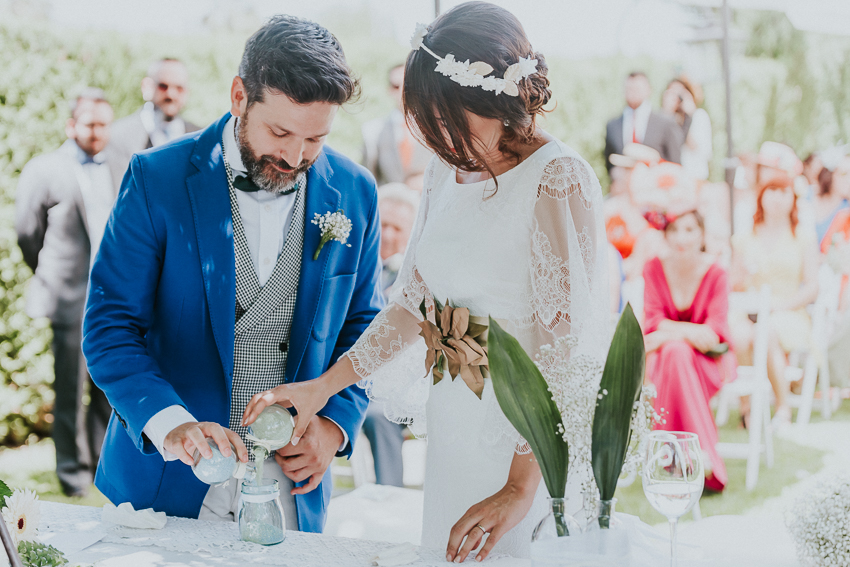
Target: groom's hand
{"points": [[184, 439], [313, 454]]}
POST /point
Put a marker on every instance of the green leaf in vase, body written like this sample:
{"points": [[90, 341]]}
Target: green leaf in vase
{"points": [[4, 492], [525, 399], [619, 390]]}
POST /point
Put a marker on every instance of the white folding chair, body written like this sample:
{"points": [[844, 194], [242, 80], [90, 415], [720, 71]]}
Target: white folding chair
{"points": [[752, 381], [816, 365]]}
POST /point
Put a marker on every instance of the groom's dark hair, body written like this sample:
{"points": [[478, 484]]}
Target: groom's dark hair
{"points": [[298, 58]]}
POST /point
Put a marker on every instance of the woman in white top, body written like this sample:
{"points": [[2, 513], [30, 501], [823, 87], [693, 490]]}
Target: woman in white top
{"points": [[510, 225], [682, 99]]}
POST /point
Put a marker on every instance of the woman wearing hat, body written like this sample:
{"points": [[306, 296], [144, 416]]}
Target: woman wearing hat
{"points": [[779, 254]]}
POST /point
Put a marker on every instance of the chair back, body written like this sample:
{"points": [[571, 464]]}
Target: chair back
{"points": [[757, 303]]}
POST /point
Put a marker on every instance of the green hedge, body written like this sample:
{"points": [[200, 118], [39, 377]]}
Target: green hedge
{"points": [[776, 97]]}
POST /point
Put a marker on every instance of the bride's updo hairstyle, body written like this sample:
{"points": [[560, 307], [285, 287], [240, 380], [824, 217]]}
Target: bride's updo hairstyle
{"points": [[434, 104]]}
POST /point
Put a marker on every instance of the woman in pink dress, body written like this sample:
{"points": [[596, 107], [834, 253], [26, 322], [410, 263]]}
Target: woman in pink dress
{"points": [[686, 304]]}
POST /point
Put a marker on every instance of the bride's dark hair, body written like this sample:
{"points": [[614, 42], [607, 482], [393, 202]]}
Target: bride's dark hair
{"points": [[434, 104]]}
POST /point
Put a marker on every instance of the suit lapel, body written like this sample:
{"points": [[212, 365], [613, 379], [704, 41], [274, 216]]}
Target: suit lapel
{"points": [[618, 135], [66, 154], [208, 195], [651, 137], [321, 198]]}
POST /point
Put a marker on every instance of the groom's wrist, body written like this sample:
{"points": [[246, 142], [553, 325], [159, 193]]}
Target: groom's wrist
{"points": [[343, 439]]}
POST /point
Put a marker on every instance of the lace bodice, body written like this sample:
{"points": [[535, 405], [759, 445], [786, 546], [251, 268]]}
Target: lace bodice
{"points": [[530, 252]]}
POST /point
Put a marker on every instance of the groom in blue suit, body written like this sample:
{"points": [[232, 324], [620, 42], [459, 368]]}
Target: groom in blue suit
{"points": [[206, 291]]}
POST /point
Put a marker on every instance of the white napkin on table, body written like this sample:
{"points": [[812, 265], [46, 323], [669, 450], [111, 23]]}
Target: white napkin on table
{"points": [[398, 555], [125, 515]]}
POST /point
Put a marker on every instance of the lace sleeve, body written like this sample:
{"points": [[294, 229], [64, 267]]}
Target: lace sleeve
{"points": [[389, 356], [568, 259]]}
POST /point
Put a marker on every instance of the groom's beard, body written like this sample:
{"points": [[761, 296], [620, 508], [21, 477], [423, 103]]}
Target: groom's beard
{"points": [[260, 168]]}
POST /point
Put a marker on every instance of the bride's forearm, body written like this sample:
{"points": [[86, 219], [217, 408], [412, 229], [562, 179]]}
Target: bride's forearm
{"points": [[338, 377], [525, 475]]}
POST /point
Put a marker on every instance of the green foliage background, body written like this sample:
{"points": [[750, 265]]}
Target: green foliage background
{"points": [[789, 87]]}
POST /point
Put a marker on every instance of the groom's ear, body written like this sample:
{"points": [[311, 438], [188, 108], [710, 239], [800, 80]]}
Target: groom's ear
{"points": [[238, 97]]}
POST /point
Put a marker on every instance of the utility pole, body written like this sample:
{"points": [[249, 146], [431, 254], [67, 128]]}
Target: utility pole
{"points": [[729, 162]]}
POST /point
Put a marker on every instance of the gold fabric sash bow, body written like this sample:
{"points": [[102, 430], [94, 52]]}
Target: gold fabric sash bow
{"points": [[458, 341]]}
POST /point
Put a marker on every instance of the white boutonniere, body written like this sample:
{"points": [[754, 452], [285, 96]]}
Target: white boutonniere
{"points": [[334, 226]]}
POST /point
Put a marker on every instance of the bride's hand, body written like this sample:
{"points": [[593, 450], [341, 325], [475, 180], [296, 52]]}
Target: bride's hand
{"points": [[496, 515], [306, 397]]}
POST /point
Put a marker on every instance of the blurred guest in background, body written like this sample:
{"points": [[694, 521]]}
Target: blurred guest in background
{"points": [[777, 254], [833, 193], [827, 203], [616, 279], [773, 160], [686, 304], [835, 246], [63, 202], [682, 100], [165, 89], [811, 169], [640, 124], [625, 225], [390, 151], [397, 206]]}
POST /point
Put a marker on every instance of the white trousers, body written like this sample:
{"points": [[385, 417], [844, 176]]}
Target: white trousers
{"points": [[222, 502]]}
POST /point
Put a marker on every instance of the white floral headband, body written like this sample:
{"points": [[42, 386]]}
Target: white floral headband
{"points": [[468, 74]]}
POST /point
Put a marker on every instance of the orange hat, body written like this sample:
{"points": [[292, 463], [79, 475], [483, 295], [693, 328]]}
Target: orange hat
{"points": [[662, 187]]}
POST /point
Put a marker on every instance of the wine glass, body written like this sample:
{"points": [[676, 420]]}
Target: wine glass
{"points": [[673, 476]]}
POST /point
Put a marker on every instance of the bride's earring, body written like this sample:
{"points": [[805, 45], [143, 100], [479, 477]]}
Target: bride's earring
{"points": [[506, 122]]}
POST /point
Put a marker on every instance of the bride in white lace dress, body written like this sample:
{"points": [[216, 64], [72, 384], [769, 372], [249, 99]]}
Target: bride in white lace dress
{"points": [[509, 226]]}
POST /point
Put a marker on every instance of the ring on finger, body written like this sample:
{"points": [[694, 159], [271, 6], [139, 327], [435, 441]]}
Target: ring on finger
{"points": [[480, 527]]}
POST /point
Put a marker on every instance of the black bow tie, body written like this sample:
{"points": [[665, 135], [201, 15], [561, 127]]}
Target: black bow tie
{"points": [[244, 183]]}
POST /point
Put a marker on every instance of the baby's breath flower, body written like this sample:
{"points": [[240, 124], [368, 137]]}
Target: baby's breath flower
{"points": [[820, 524], [574, 381], [334, 226]]}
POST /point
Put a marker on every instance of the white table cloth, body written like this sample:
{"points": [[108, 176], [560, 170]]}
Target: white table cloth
{"points": [[754, 541], [186, 542]]}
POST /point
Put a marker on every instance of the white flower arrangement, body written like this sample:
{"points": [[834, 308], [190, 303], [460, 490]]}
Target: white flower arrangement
{"points": [[820, 524], [574, 382], [334, 226], [468, 74], [21, 514]]}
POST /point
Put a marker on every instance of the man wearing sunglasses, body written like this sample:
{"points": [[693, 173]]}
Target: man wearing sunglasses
{"points": [[165, 89]]}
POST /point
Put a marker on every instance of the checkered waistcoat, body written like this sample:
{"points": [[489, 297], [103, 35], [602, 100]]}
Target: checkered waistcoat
{"points": [[263, 315]]}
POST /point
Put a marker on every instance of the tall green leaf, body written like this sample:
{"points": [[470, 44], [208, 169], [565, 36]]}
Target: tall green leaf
{"points": [[525, 399], [622, 380], [4, 492]]}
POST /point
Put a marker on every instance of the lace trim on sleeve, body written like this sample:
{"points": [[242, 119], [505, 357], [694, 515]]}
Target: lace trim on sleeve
{"points": [[564, 177], [411, 292], [550, 284], [375, 348]]}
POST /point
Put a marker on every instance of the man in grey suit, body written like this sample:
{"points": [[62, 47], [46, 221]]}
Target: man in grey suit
{"points": [[63, 202], [165, 89], [640, 124], [390, 151]]}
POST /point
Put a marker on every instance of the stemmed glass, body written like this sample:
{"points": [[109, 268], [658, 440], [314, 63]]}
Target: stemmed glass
{"points": [[673, 476]]}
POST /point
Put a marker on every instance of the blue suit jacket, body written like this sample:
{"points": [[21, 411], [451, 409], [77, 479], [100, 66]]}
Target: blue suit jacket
{"points": [[160, 317]]}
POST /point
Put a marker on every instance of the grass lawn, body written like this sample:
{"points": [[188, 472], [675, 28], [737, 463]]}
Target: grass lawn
{"points": [[792, 462]]}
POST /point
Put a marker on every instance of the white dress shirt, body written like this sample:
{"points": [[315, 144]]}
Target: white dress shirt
{"points": [[158, 128], [95, 181], [265, 218], [635, 121]]}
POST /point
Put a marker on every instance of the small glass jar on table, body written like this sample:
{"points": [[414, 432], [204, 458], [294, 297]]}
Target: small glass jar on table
{"points": [[261, 517]]}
